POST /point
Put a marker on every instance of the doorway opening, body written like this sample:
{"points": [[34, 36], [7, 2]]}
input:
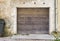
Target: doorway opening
{"points": [[33, 20]]}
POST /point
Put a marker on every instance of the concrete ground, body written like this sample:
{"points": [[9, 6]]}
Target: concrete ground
{"points": [[9, 39], [25, 38]]}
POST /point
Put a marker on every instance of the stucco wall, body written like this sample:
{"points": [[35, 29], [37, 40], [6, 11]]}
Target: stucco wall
{"points": [[8, 11], [31, 4], [58, 14], [5, 13]]}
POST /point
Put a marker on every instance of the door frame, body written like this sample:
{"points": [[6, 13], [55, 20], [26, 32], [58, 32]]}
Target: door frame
{"points": [[51, 18], [51, 6], [39, 36], [33, 8]]}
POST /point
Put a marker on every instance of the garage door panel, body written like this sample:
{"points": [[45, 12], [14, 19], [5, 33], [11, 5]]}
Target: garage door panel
{"points": [[33, 21]]}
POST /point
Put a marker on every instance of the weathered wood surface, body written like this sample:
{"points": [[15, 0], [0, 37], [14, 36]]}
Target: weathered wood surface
{"points": [[33, 21]]}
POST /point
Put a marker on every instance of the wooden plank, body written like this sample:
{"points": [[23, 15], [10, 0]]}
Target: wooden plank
{"points": [[33, 21]]}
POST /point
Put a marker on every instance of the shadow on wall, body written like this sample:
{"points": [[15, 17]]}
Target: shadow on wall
{"points": [[2, 26], [5, 26]]}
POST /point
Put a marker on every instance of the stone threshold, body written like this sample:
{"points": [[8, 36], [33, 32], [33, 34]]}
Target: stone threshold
{"points": [[33, 36]]}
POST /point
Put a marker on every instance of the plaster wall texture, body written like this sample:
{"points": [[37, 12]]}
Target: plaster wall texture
{"points": [[58, 15], [8, 11], [30, 4]]}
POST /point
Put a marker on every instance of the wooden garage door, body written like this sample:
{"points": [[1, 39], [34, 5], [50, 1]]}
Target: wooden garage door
{"points": [[33, 20]]}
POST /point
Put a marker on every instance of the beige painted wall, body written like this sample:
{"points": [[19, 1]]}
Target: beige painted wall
{"points": [[5, 13], [58, 15], [7, 7], [28, 4]]}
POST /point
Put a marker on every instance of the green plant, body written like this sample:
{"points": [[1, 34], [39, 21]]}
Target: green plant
{"points": [[57, 40], [7, 32], [8, 29], [56, 34]]}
